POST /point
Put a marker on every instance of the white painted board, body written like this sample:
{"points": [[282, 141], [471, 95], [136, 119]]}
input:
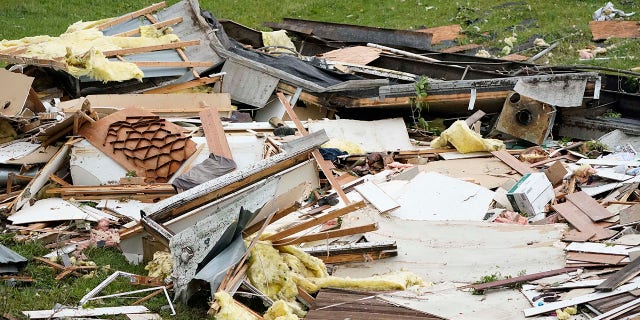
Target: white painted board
{"points": [[378, 198], [51, 209], [93, 312], [371, 136]]}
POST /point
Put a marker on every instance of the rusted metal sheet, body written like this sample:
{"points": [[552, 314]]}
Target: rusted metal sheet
{"points": [[353, 33]]}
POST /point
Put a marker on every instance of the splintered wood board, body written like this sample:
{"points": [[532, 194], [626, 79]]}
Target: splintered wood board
{"points": [[589, 206], [96, 133], [580, 221], [602, 30]]}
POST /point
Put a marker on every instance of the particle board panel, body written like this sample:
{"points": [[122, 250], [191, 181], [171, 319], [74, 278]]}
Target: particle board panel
{"points": [[589, 206], [123, 146], [443, 33], [579, 220], [602, 30], [360, 55]]}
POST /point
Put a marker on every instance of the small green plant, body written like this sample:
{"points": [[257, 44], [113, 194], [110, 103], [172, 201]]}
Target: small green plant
{"points": [[131, 174], [485, 279], [564, 141], [612, 114], [418, 104]]}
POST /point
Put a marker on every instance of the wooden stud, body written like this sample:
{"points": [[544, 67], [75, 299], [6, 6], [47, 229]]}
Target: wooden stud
{"points": [[173, 45], [327, 235], [156, 25], [316, 221], [132, 15]]}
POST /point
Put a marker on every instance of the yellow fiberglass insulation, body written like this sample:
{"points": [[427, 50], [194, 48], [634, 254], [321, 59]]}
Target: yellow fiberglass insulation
{"points": [[276, 272], [280, 310], [229, 310], [344, 145], [95, 65], [465, 140], [161, 265], [81, 47]]}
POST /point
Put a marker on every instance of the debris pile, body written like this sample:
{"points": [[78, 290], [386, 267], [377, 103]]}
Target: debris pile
{"points": [[321, 170]]}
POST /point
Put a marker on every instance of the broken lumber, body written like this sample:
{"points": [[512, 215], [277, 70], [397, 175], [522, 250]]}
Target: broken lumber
{"points": [[514, 280], [316, 221], [316, 154], [623, 275], [326, 235], [517, 165]]}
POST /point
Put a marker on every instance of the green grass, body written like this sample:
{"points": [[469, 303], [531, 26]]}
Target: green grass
{"points": [[46, 292], [484, 22]]}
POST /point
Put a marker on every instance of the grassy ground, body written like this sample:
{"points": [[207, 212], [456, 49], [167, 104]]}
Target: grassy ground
{"points": [[486, 22], [46, 292]]}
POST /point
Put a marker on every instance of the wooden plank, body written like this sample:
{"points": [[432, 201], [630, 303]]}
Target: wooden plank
{"points": [[630, 215], [180, 103], [327, 235], [59, 180], [476, 116], [156, 25], [594, 257], [579, 236], [525, 278], [521, 167], [357, 257], [579, 220], [316, 154], [92, 312], [186, 85], [131, 15], [378, 198], [622, 276], [179, 44], [589, 206], [602, 30], [552, 306], [214, 132], [316, 221]]}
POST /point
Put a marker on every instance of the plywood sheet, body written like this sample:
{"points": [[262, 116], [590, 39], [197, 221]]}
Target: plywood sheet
{"points": [[630, 215], [589, 206], [13, 92], [360, 55], [602, 30], [489, 172], [152, 147]]}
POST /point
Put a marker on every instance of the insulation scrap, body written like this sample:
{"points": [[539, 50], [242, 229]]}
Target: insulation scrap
{"points": [[278, 272], [344, 145], [229, 310], [280, 310], [398, 280], [81, 47], [161, 265], [466, 140], [95, 65], [583, 172], [278, 42]]}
